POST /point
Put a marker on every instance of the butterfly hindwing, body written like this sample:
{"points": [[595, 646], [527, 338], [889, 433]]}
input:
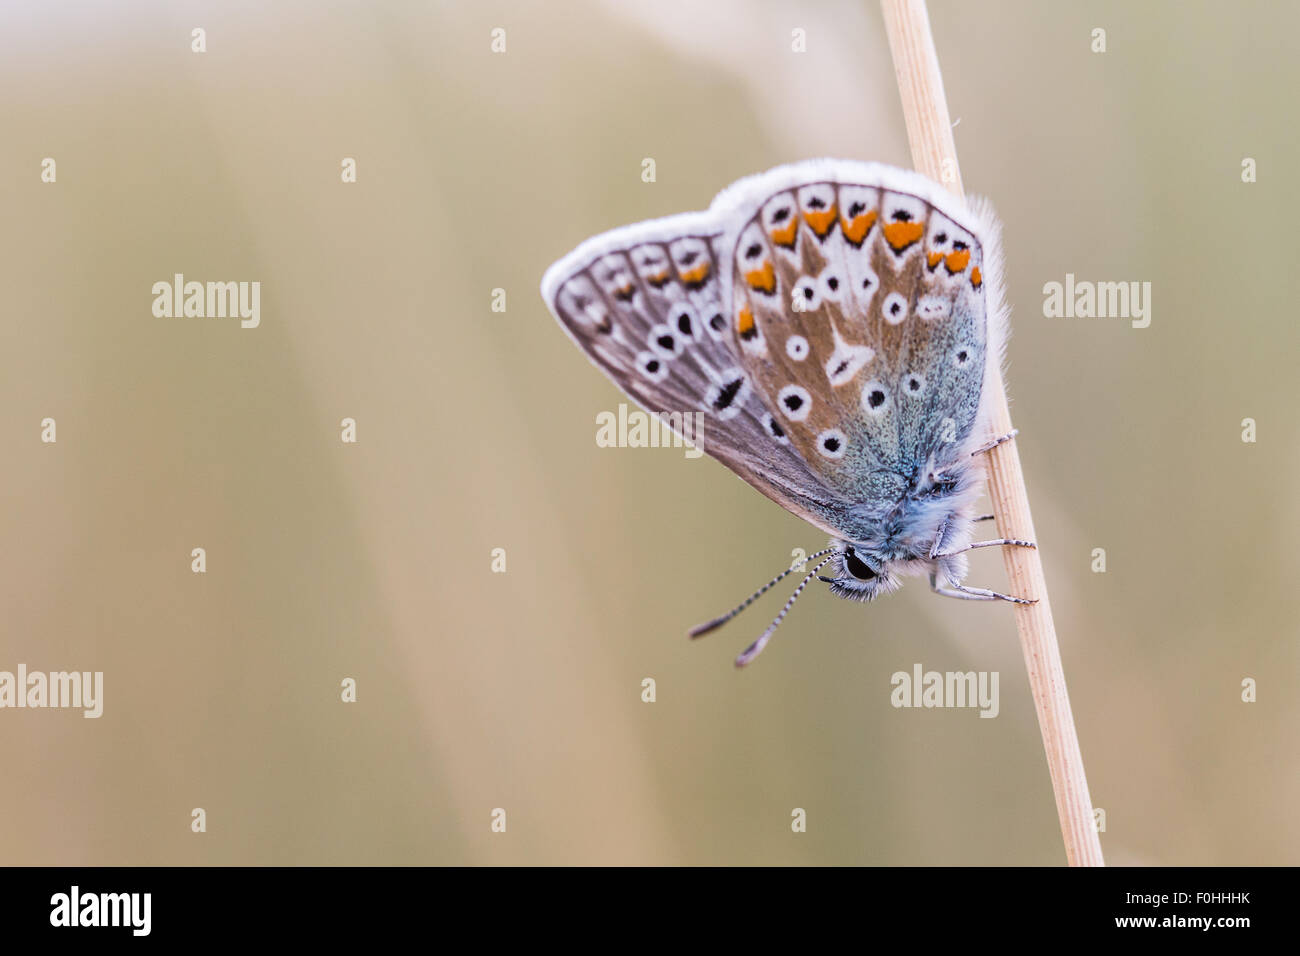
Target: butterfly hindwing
{"points": [[859, 312]]}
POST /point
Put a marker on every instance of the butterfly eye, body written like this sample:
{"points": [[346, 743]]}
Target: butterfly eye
{"points": [[856, 566]]}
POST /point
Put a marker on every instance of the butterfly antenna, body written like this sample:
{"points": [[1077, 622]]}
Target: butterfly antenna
{"points": [[757, 647], [717, 622]]}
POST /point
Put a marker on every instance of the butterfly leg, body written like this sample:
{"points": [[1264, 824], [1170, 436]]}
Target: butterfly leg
{"points": [[973, 594], [938, 540], [994, 543], [995, 442]]}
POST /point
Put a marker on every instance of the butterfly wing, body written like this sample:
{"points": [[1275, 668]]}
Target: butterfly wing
{"points": [[645, 303], [860, 297]]}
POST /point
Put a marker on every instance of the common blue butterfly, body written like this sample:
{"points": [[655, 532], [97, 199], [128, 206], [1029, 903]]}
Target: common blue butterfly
{"points": [[836, 321]]}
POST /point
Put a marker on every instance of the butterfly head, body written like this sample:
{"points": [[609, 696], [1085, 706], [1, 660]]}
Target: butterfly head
{"points": [[859, 574]]}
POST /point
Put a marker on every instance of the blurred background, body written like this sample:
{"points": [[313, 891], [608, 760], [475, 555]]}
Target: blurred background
{"points": [[476, 430]]}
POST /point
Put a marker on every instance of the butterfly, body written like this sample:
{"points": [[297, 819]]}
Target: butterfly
{"points": [[836, 322]]}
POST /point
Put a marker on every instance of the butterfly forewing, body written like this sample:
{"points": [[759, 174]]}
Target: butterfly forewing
{"points": [[645, 303]]}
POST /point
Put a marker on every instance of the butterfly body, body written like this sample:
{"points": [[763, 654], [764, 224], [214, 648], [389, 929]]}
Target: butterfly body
{"points": [[835, 322]]}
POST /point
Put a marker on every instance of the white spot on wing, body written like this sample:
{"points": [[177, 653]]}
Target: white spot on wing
{"points": [[894, 308], [846, 361], [931, 307], [795, 402], [832, 443]]}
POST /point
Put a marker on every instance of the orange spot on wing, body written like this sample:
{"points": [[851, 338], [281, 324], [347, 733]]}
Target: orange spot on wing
{"points": [[745, 321], [957, 261], [695, 277], [659, 278], [934, 259], [975, 277], [900, 235], [857, 230], [820, 222], [764, 279], [785, 235]]}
